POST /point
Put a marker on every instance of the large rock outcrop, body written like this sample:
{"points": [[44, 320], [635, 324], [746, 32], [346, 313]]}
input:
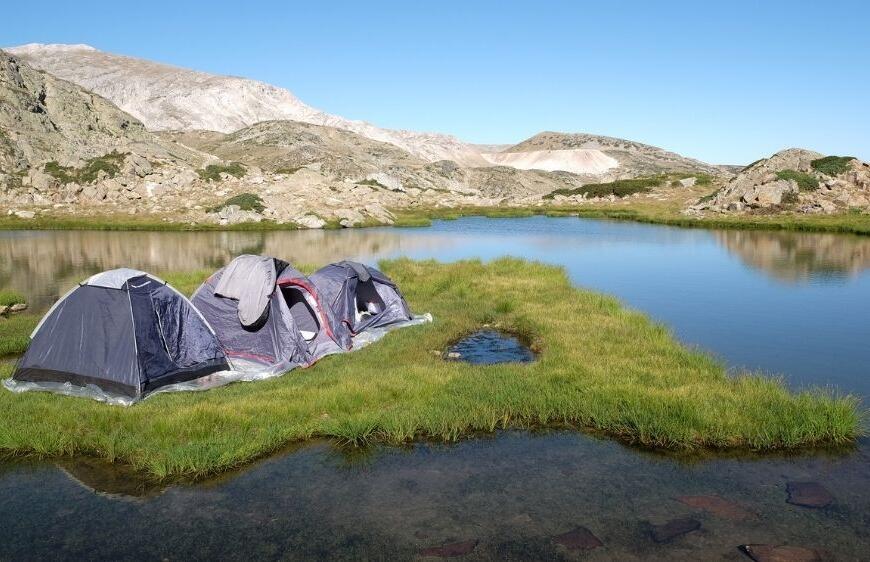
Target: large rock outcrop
{"points": [[794, 180]]}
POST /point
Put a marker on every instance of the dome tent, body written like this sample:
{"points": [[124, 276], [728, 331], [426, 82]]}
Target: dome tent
{"points": [[123, 331], [361, 297], [268, 316]]}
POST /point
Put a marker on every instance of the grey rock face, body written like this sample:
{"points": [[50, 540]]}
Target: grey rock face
{"points": [[766, 185]]}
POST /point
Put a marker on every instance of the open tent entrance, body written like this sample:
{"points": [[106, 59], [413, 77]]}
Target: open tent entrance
{"points": [[302, 310], [368, 301]]}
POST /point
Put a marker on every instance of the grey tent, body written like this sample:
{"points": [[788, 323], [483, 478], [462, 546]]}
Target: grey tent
{"points": [[268, 316], [126, 332], [361, 297]]}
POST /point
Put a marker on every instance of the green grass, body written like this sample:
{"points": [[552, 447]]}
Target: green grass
{"points": [[213, 172], [843, 223], [109, 163], [10, 297], [600, 367], [245, 201], [832, 165], [15, 333], [805, 182]]}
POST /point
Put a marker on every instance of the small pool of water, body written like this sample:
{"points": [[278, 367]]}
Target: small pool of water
{"points": [[488, 347]]}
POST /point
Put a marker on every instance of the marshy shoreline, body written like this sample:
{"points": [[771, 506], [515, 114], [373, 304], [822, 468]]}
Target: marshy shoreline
{"points": [[602, 368]]}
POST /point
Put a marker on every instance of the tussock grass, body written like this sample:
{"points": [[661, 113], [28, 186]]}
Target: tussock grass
{"points": [[10, 297], [600, 367]]}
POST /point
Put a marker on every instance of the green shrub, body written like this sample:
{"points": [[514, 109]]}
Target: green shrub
{"points": [[372, 183], [109, 163], [804, 181], [789, 197], [620, 188], [245, 201], [213, 172], [703, 179], [832, 165], [288, 171]]}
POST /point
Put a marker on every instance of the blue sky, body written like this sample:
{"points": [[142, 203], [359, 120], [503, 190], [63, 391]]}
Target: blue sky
{"points": [[727, 83]]}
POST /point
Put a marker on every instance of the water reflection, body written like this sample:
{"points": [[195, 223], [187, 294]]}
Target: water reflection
{"points": [[798, 257], [509, 495]]}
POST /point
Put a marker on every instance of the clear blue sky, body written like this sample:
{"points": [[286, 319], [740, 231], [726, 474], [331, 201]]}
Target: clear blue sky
{"points": [[726, 83]]}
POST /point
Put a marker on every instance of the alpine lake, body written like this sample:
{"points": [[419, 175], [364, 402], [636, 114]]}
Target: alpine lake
{"points": [[795, 305]]}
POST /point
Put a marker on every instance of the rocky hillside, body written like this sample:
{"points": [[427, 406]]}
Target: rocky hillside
{"points": [[610, 157], [60, 143], [165, 97], [794, 180], [43, 118], [69, 152]]}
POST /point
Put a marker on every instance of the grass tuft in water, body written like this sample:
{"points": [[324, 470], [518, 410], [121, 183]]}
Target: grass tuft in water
{"points": [[600, 367]]}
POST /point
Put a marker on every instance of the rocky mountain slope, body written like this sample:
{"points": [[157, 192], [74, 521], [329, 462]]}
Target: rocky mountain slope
{"points": [[55, 137], [612, 157], [67, 151], [165, 97], [794, 180]]}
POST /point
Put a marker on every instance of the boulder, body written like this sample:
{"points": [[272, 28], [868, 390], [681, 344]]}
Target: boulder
{"points": [[18, 307], [379, 213], [135, 165], [579, 538], [233, 214], [349, 217], [24, 214], [390, 182], [310, 221], [40, 181], [688, 182], [768, 194]]}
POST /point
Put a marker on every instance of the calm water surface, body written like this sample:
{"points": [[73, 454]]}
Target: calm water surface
{"points": [[793, 304]]}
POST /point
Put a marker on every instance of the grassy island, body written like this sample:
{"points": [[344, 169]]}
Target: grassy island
{"points": [[600, 367]]}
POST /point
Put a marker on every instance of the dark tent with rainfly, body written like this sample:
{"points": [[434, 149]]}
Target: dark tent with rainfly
{"points": [[361, 297], [119, 336], [268, 316]]}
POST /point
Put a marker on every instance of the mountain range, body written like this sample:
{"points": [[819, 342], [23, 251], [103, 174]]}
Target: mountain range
{"points": [[86, 132], [165, 97]]}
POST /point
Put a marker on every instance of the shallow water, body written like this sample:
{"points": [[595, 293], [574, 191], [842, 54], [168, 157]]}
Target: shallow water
{"points": [[488, 347], [789, 303]]}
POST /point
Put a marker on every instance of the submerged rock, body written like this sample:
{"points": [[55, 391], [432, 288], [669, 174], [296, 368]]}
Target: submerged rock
{"points": [[673, 529], [808, 494], [450, 550], [720, 507], [579, 538], [782, 553]]}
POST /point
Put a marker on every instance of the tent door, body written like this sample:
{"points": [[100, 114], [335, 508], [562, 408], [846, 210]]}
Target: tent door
{"points": [[302, 311]]}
